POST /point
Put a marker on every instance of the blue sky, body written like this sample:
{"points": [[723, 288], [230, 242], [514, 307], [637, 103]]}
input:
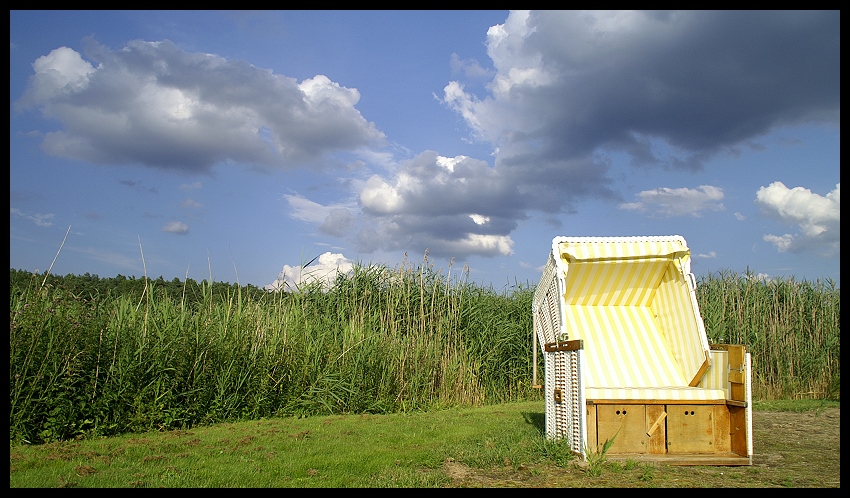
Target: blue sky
{"points": [[244, 144]]}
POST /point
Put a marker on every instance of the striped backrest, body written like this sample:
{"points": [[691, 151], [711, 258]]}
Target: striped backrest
{"points": [[629, 299], [622, 347]]}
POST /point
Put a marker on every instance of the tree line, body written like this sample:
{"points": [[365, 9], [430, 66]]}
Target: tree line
{"points": [[88, 286]]}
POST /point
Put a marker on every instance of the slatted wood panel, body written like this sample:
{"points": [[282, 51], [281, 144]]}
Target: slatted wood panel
{"points": [[565, 417]]}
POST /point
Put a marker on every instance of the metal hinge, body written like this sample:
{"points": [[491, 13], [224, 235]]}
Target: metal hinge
{"points": [[558, 395]]}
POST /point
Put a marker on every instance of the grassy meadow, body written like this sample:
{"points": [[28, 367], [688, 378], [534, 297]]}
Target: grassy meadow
{"points": [[172, 356], [494, 446]]}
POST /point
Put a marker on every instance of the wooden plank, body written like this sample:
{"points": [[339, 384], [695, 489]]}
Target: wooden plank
{"points": [[738, 429], [591, 426], [653, 426], [722, 434], [626, 424], [657, 442], [724, 459], [737, 392], [690, 429], [736, 364], [702, 369], [575, 345]]}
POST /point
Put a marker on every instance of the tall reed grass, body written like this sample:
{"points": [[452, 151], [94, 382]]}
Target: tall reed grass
{"points": [[379, 340], [792, 328]]}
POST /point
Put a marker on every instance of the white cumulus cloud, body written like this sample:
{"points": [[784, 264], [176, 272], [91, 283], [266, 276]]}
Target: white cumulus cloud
{"points": [[817, 217], [154, 104], [323, 270]]}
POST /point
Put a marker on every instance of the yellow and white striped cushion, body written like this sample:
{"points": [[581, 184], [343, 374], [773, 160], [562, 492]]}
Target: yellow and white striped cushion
{"points": [[669, 393], [717, 376], [622, 347], [677, 320]]}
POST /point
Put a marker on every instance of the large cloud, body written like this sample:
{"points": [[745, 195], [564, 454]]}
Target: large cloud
{"points": [[573, 84], [817, 217], [154, 104], [571, 88], [450, 206]]}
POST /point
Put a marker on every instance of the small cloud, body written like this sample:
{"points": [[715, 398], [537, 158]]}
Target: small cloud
{"points": [[324, 269], [191, 204], [710, 255], [529, 266], [669, 202], [740, 217], [759, 277], [191, 186], [783, 243], [138, 184], [42, 220], [177, 227]]}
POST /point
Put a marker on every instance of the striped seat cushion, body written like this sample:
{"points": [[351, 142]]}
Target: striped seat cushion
{"points": [[672, 393]]}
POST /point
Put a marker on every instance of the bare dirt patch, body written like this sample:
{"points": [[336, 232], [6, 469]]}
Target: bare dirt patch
{"points": [[790, 449]]}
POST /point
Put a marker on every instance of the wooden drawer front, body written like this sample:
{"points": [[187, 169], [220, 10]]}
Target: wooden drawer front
{"points": [[629, 420], [690, 429]]}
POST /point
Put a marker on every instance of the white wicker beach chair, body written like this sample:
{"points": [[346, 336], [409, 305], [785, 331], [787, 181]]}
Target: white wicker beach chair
{"points": [[627, 358]]}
